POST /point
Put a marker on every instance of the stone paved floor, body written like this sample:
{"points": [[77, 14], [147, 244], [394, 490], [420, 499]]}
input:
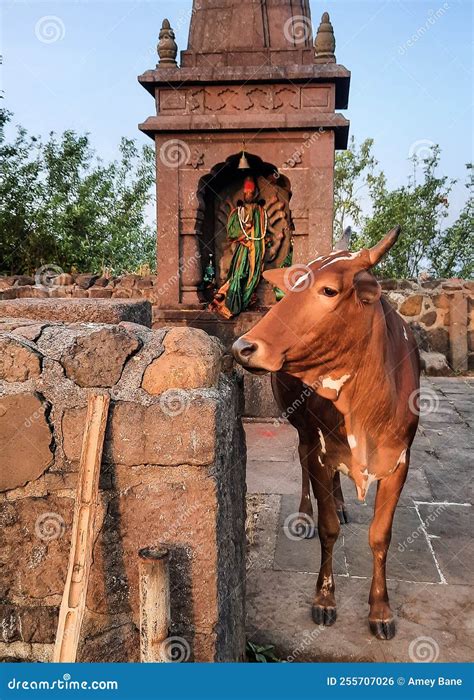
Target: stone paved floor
{"points": [[430, 564]]}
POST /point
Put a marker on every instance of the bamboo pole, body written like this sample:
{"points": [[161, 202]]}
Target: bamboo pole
{"points": [[73, 601], [155, 611]]}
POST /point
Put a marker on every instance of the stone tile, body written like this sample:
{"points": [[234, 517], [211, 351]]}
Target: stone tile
{"points": [[441, 520], [279, 613], [301, 554], [455, 557], [272, 442], [454, 385], [448, 527], [279, 600], [409, 557], [273, 477], [263, 512]]}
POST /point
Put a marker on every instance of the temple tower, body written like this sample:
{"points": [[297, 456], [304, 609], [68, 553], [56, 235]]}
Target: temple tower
{"points": [[254, 79]]}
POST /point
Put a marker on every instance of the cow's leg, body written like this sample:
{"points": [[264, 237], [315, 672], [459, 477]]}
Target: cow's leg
{"points": [[324, 604], [381, 620], [339, 499], [305, 524]]}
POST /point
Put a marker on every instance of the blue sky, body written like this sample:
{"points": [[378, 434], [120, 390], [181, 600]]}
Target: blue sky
{"points": [[403, 96]]}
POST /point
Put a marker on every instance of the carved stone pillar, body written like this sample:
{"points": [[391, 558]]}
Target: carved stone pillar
{"points": [[190, 268]]}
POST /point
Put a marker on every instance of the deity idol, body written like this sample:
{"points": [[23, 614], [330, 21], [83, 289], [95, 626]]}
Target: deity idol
{"points": [[247, 226]]}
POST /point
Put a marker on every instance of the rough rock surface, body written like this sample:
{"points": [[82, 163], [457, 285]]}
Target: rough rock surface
{"points": [[434, 364], [25, 437], [19, 361], [173, 472], [97, 359], [192, 359], [78, 310]]}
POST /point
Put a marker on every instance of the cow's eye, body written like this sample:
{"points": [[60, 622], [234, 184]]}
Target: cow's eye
{"points": [[329, 292]]}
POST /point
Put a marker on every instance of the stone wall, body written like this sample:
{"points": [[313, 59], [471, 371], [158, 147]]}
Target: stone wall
{"points": [[173, 472], [441, 311]]}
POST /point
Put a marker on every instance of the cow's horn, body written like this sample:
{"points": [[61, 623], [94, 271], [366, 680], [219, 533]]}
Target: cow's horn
{"points": [[344, 241], [380, 248]]}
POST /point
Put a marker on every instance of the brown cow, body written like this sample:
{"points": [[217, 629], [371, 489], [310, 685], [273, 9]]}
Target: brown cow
{"points": [[335, 333]]}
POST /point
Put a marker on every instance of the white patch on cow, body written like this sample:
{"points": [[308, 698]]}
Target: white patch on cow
{"points": [[320, 460], [405, 333], [352, 441], [343, 468], [327, 585], [370, 478], [344, 256], [300, 280], [336, 384], [321, 257], [323, 442], [401, 460]]}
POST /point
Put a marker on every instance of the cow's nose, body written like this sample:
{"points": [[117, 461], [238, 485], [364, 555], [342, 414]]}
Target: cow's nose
{"points": [[242, 350]]}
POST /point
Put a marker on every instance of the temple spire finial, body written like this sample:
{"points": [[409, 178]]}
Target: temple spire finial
{"points": [[167, 47], [325, 43]]}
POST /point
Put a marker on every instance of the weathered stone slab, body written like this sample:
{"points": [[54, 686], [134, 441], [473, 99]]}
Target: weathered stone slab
{"points": [[191, 360], [25, 437], [97, 359], [78, 310], [19, 361]]}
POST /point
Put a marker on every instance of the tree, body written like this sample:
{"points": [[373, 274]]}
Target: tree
{"points": [[453, 252], [420, 207], [62, 206], [354, 172]]}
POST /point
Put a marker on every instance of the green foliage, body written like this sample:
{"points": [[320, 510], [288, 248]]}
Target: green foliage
{"points": [[62, 206], [454, 249], [354, 171], [261, 654], [420, 207]]}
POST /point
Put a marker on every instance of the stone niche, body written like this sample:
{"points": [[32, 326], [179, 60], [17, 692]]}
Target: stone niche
{"points": [[173, 472]]}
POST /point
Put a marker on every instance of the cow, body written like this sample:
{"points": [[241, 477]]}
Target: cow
{"points": [[334, 334]]}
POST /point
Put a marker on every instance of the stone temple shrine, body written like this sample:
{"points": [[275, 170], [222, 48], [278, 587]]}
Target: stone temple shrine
{"points": [[254, 96]]}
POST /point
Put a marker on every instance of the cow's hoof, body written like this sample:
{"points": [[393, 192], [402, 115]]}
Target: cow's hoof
{"points": [[323, 615], [383, 629], [342, 515]]}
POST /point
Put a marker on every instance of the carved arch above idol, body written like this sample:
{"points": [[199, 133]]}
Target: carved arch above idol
{"points": [[245, 226]]}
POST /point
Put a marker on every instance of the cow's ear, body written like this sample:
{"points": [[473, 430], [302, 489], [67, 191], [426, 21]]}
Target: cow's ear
{"points": [[383, 246], [285, 278], [367, 288]]}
